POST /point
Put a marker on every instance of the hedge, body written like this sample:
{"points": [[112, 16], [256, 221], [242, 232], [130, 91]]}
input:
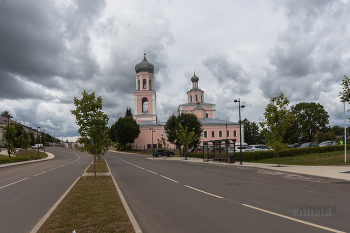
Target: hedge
{"points": [[258, 155], [18, 159]]}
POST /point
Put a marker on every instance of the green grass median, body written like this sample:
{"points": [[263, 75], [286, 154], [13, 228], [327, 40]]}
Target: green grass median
{"points": [[22, 156]]}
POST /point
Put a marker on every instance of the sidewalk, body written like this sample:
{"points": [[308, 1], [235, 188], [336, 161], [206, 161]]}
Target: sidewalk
{"points": [[335, 172], [4, 152]]}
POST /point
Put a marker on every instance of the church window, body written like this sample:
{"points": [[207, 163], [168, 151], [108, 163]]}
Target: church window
{"points": [[190, 98], [205, 134], [196, 97], [201, 98], [150, 85], [138, 84], [220, 134], [228, 133], [144, 104], [144, 84], [234, 133], [212, 134], [207, 115]]}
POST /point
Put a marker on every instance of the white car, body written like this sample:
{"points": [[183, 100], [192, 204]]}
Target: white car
{"points": [[252, 148]]}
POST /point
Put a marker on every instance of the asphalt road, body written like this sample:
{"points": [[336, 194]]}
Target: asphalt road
{"points": [[182, 197], [28, 191]]}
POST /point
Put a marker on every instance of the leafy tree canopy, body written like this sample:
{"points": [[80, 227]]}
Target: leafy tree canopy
{"points": [[93, 123], [128, 112], [126, 130], [277, 120], [251, 132], [309, 119], [5, 114]]}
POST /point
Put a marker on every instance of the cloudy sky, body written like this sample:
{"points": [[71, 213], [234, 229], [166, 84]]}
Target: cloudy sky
{"points": [[50, 51]]}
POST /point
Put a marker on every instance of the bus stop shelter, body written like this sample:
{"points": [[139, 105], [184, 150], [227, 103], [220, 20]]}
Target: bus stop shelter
{"points": [[219, 153]]}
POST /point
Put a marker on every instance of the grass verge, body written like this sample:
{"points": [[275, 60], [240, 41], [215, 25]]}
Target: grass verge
{"points": [[100, 168], [93, 205], [315, 159], [23, 156]]}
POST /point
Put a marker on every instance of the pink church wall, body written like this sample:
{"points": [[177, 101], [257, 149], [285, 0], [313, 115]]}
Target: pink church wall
{"points": [[145, 136], [216, 129]]}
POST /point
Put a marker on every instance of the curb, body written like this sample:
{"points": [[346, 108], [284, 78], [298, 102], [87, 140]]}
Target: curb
{"points": [[49, 157], [125, 204], [47, 215]]}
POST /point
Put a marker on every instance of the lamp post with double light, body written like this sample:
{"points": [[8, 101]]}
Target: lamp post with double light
{"points": [[8, 134], [37, 137], [240, 127]]}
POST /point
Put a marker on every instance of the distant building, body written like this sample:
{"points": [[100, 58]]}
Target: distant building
{"points": [[146, 116]]}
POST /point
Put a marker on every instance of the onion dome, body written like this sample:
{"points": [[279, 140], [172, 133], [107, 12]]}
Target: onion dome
{"points": [[144, 66], [194, 79]]}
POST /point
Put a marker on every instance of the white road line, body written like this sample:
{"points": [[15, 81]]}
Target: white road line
{"points": [[294, 219], [13, 183], [151, 172], [203, 191], [169, 179], [53, 169], [40, 173]]}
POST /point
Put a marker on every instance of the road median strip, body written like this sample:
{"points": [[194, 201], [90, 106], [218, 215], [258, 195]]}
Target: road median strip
{"points": [[90, 205]]}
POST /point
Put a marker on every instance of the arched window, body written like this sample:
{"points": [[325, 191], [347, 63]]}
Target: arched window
{"points": [[212, 134], [234, 133], [207, 115], [220, 134], [138, 84], [144, 84], [144, 104], [196, 97], [228, 133], [150, 85], [205, 134], [190, 98], [201, 98]]}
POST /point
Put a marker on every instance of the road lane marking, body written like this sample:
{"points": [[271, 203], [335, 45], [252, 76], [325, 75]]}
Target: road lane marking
{"points": [[151, 172], [203, 191], [169, 179], [40, 173], [53, 168], [13, 183], [294, 219]]}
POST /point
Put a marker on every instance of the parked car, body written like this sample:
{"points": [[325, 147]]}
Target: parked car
{"points": [[297, 145], [252, 148], [161, 152], [217, 150], [309, 144], [41, 146], [328, 143]]}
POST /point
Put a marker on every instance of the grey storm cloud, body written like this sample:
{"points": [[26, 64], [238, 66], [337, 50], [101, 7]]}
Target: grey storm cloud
{"points": [[227, 71], [307, 56]]}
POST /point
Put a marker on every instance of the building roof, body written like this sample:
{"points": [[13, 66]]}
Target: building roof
{"points": [[210, 121], [194, 89], [193, 104], [144, 66], [150, 123], [198, 107]]}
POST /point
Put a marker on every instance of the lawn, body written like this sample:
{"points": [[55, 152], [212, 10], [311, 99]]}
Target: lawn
{"points": [[93, 205], [315, 159]]}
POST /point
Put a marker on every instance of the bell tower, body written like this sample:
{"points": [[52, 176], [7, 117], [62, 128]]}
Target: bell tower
{"points": [[145, 95]]}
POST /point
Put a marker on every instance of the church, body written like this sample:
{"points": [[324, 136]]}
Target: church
{"points": [[145, 111]]}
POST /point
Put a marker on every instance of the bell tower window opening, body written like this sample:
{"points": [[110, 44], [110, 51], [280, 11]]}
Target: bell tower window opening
{"points": [[201, 98], [144, 84], [150, 85], [196, 97], [190, 98], [207, 115], [138, 84], [144, 104]]}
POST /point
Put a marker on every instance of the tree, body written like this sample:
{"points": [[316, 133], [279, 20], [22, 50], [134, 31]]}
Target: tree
{"points": [[251, 132], [126, 130], [5, 114], [186, 136], [23, 141], [93, 124], [310, 118], [184, 119], [5, 135], [277, 120], [128, 112]]}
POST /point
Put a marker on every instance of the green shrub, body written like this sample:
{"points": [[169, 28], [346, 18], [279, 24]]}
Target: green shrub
{"points": [[18, 159], [119, 146], [258, 155]]}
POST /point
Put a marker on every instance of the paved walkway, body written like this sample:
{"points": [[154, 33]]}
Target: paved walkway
{"points": [[335, 172]]}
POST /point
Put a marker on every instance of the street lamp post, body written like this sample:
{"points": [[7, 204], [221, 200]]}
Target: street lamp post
{"points": [[152, 141], [37, 136], [240, 127], [8, 134], [44, 141]]}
